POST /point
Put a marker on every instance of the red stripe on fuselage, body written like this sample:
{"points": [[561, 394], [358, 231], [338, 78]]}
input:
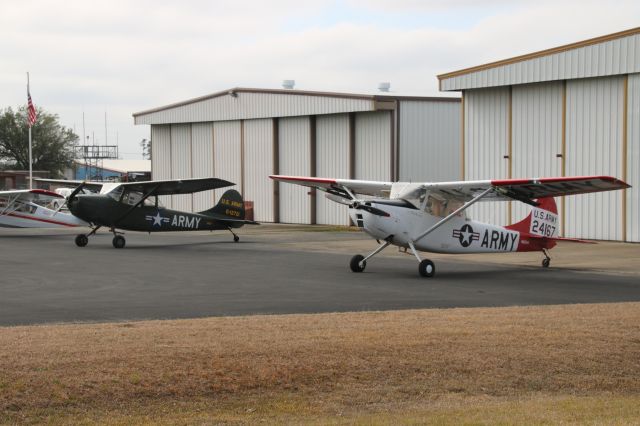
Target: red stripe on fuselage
{"points": [[55, 222]]}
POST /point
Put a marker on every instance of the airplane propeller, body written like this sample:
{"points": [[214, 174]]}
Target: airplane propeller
{"points": [[69, 198], [356, 204]]}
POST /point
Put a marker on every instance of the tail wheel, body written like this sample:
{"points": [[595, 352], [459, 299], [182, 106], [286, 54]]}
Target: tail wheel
{"points": [[546, 262], [82, 240], [357, 264], [119, 241], [427, 268]]}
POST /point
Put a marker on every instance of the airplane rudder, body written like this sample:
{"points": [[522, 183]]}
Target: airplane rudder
{"points": [[230, 204]]}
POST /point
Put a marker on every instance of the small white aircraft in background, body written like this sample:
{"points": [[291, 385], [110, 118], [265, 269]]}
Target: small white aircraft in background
{"points": [[431, 216], [29, 208]]}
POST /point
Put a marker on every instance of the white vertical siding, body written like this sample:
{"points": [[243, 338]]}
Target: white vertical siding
{"points": [[594, 147], [181, 162], [373, 146], [486, 143], [161, 156], [202, 162], [429, 141], [633, 158], [332, 161], [258, 165], [294, 160], [536, 135], [226, 154]]}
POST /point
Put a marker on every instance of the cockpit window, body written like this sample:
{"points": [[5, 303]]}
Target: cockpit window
{"points": [[442, 207], [116, 193]]}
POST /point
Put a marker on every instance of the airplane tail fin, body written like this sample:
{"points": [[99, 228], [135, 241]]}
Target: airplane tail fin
{"points": [[230, 206], [542, 221]]}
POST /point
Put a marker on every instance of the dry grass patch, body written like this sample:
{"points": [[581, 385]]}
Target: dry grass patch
{"points": [[318, 366]]}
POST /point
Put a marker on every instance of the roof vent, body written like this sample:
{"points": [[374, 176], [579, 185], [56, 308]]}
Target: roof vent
{"points": [[384, 86], [288, 84]]}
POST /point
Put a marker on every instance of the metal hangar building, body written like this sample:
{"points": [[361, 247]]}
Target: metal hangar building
{"points": [[567, 111], [244, 135]]}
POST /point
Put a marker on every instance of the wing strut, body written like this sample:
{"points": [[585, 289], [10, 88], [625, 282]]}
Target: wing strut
{"points": [[447, 218], [128, 212]]}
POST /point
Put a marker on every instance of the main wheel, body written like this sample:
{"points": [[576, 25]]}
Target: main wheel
{"points": [[236, 238], [427, 268], [82, 240], [355, 263], [546, 262], [119, 241]]}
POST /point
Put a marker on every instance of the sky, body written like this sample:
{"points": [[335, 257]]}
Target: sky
{"points": [[118, 57]]}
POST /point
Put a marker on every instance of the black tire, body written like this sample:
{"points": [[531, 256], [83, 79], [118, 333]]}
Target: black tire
{"points": [[236, 238], [119, 241], [355, 263], [427, 268], [82, 240], [546, 263]]}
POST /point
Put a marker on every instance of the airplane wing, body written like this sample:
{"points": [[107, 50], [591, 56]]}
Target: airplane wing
{"points": [[337, 186], [30, 194], [176, 186], [525, 190], [90, 185]]}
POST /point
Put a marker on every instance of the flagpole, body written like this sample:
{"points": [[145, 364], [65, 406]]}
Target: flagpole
{"points": [[30, 154]]}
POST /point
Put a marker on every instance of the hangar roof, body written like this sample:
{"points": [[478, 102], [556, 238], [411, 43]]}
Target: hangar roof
{"points": [[612, 54], [247, 103]]}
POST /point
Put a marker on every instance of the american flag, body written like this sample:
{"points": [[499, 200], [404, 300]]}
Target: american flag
{"points": [[33, 115]]}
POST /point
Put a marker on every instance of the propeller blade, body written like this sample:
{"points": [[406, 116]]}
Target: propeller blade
{"points": [[76, 191]]}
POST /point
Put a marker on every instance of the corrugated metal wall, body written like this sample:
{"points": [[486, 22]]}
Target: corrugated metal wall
{"points": [[202, 162], [294, 160], [619, 56], [594, 147], [332, 161], [373, 146], [181, 162], [486, 144], [429, 141], [258, 165], [536, 135], [161, 157], [249, 105], [633, 158], [226, 154]]}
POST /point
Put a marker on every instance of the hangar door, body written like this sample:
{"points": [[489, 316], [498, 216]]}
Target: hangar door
{"points": [[594, 147], [485, 145], [161, 158], [181, 162], [332, 161], [536, 136], [373, 146], [633, 158], [226, 154], [202, 162], [294, 145], [258, 165]]}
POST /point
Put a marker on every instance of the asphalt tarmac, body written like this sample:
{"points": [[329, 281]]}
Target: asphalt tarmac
{"points": [[45, 278]]}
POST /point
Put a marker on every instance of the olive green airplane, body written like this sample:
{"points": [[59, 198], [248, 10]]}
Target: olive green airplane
{"points": [[134, 206]]}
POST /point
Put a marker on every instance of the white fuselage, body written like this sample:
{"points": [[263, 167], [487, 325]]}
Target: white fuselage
{"points": [[458, 235], [31, 215]]}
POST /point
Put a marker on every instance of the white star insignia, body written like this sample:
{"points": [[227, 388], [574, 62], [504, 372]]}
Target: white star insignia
{"points": [[157, 219]]}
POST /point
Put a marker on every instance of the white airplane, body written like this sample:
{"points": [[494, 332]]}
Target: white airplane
{"points": [[27, 208], [431, 217]]}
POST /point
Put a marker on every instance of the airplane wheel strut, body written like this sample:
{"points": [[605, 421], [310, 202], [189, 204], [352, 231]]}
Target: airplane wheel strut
{"points": [[119, 241], [427, 268], [82, 240], [356, 264]]}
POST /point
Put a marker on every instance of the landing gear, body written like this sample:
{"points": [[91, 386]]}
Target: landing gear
{"points": [[426, 268], [547, 259], [357, 264], [118, 241], [235, 237], [82, 240]]}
